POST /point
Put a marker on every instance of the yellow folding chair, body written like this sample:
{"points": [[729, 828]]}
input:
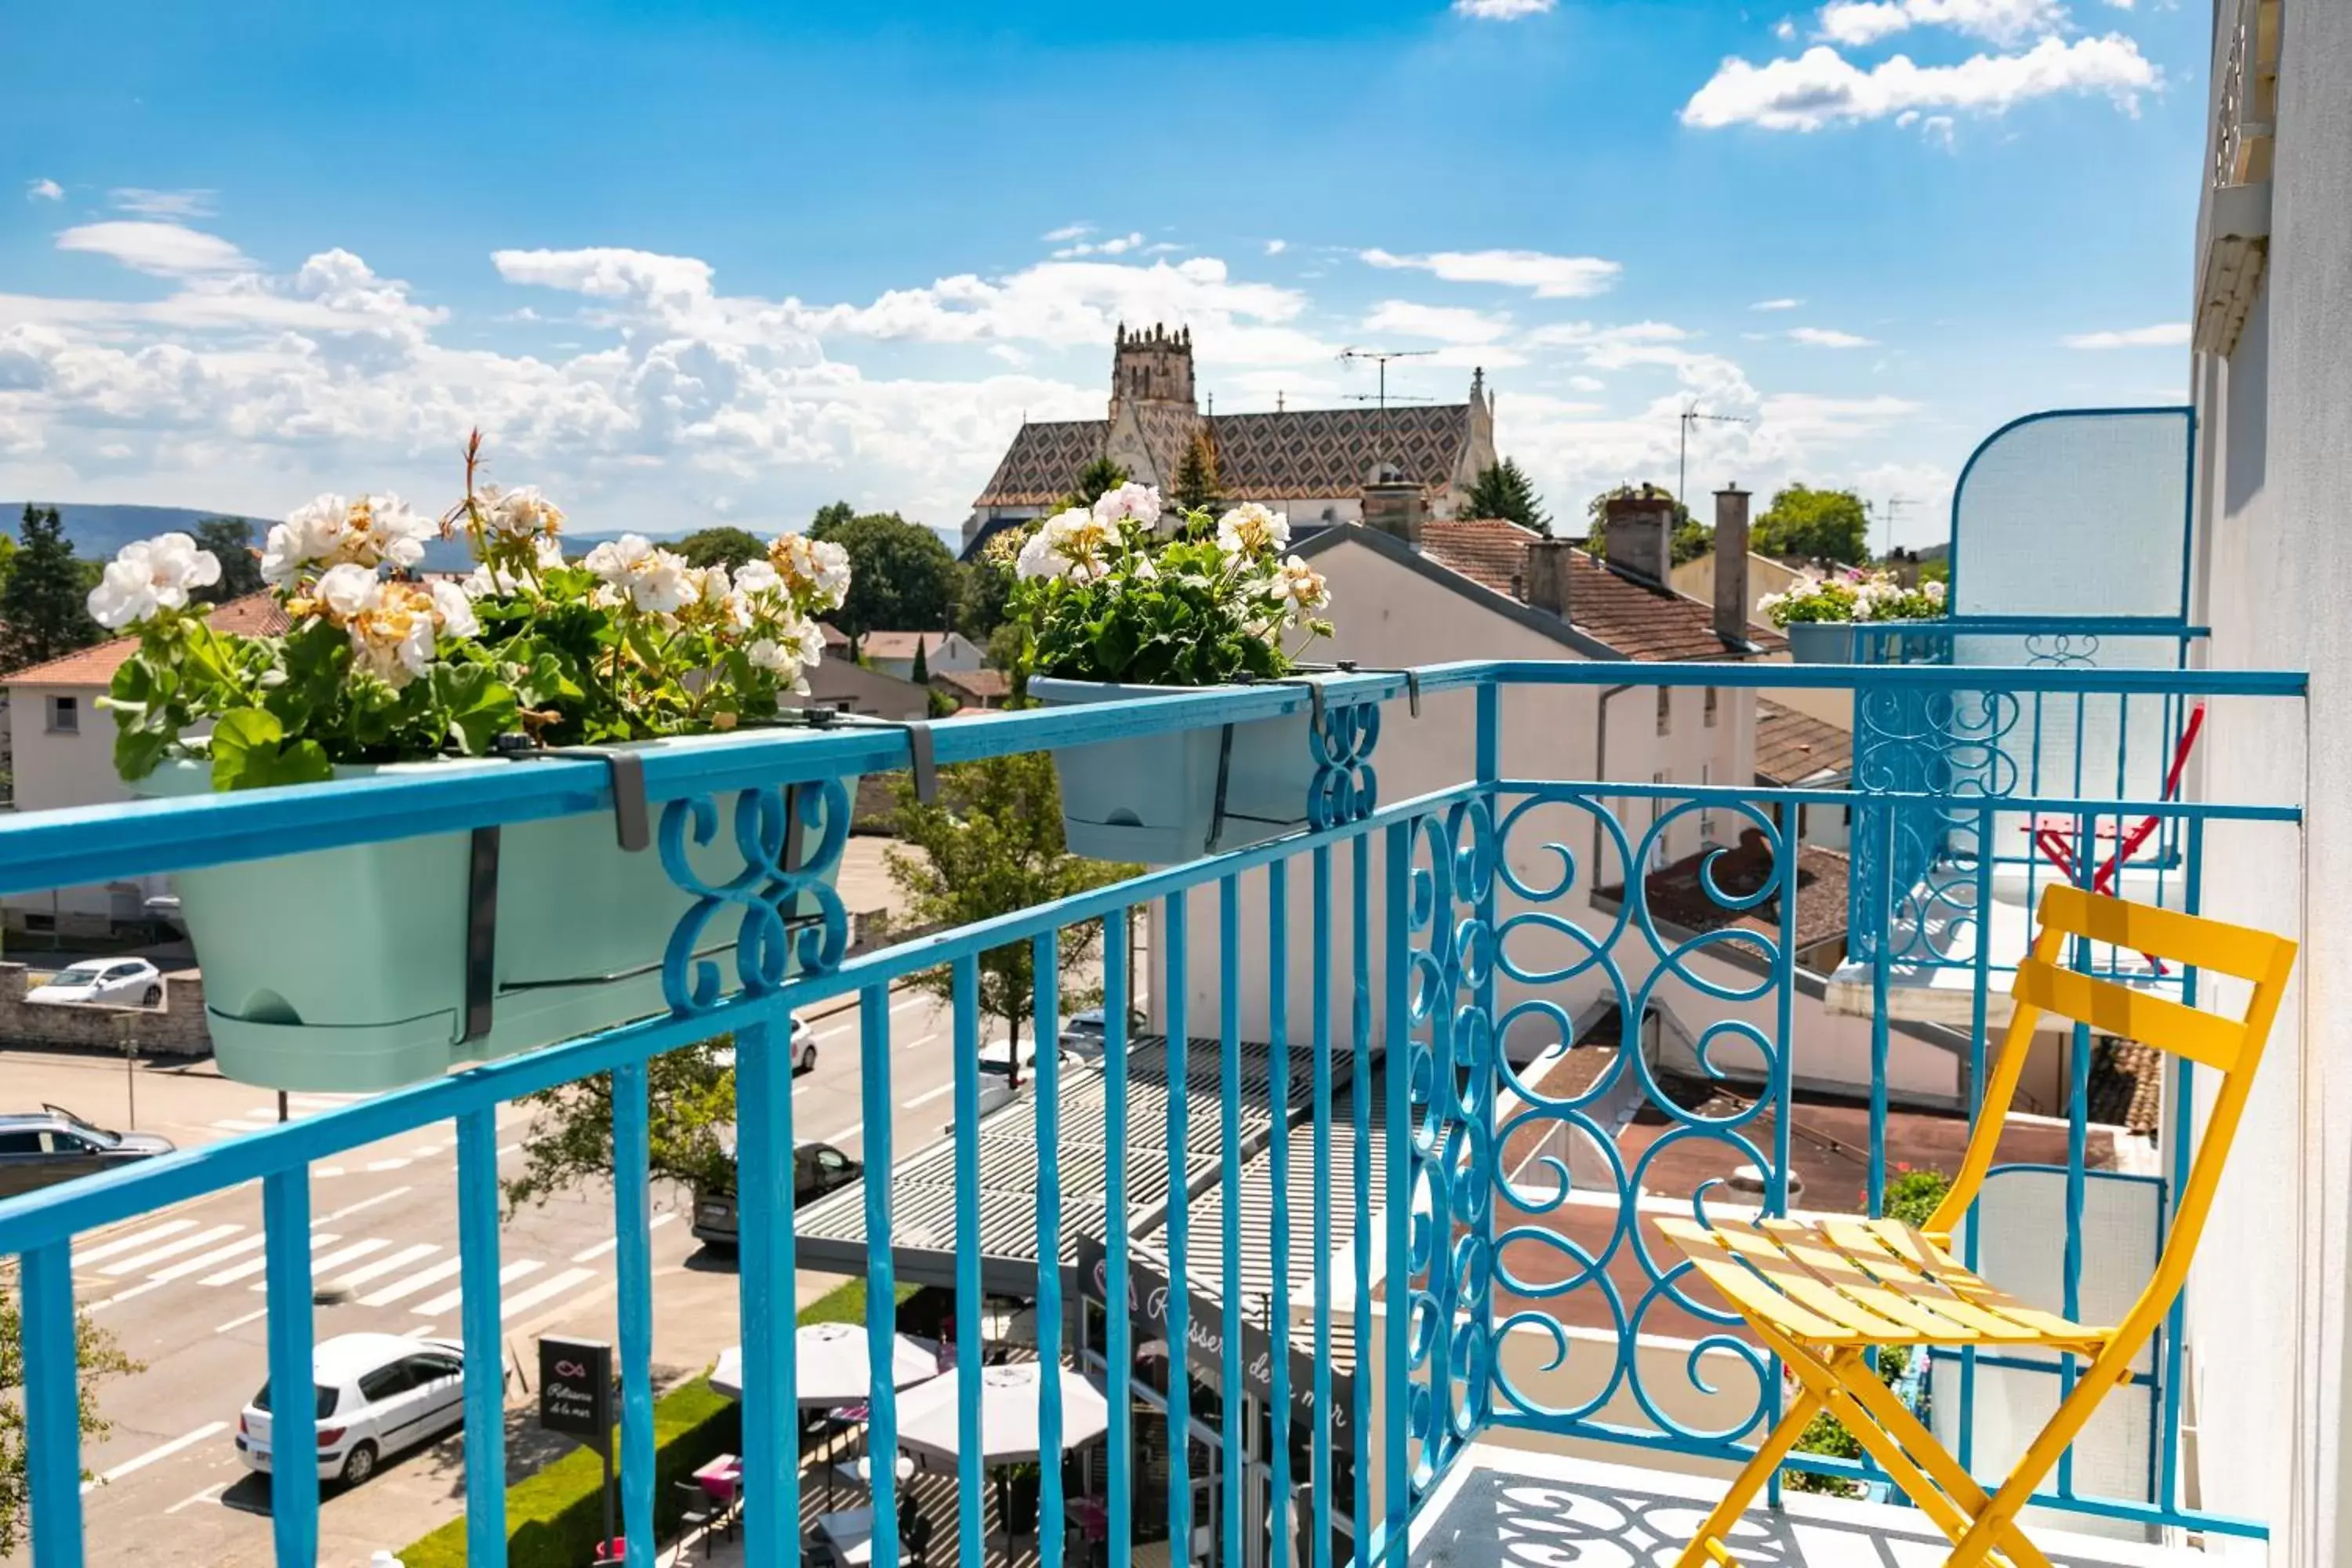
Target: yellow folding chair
{"points": [[1821, 1293]]}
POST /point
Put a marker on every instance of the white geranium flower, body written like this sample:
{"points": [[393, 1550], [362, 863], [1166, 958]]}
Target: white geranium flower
{"points": [[1301, 588], [769, 654], [348, 590], [711, 584], [151, 575], [1141, 502], [454, 610], [757, 577], [523, 512], [809, 640], [331, 531], [1933, 590], [489, 582], [1075, 544], [652, 579], [1038, 558], [815, 569], [1252, 530]]}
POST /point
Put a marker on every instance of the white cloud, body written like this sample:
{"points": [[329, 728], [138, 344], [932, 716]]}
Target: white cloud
{"points": [[1860, 22], [1276, 246], [1550, 277], [1785, 30], [1585, 335], [1776, 304], [1829, 338], [1588, 384], [1445, 323], [1821, 88], [1119, 245], [2163, 335], [165, 250], [1502, 10], [1067, 232], [44, 191], [164, 204]]}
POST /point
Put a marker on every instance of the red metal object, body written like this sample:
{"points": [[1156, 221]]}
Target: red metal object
{"points": [[2059, 850]]}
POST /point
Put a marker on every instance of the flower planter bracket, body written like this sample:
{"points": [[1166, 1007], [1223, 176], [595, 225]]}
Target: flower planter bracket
{"points": [[481, 934], [921, 757]]}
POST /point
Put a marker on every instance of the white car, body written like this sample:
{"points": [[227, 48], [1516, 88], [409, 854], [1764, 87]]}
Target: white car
{"points": [[122, 982], [803, 1049], [375, 1395]]}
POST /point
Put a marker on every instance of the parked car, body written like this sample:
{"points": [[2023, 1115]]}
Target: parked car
{"points": [[119, 982], [375, 1395], [803, 1049], [41, 1148], [818, 1169]]}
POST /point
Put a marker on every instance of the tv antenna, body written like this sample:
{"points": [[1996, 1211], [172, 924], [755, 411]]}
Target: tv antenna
{"points": [[1889, 508], [1381, 357], [1692, 415]]}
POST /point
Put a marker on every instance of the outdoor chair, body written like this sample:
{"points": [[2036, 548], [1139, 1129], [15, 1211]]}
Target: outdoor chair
{"points": [[1820, 1294], [698, 1510]]}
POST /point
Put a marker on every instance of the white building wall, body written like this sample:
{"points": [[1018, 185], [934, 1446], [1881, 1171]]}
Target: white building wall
{"points": [[2268, 1297], [55, 769]]}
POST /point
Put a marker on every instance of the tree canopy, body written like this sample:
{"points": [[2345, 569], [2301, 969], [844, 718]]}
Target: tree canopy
{"points": [[230, 539], [1504, 490], [1095, 480], [1825, 525], [691, 1093], [901, 578], [42, 615], [1196, 475], [99, 1356], [992, 844], [722, 547], [1692, 538]]}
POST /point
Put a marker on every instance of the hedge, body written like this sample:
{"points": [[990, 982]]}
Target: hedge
{"points": [[555, 1518]]}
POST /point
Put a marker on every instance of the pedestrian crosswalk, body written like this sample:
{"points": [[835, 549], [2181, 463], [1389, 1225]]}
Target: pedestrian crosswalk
{"points": [[418, 1278], [298, 1105]]}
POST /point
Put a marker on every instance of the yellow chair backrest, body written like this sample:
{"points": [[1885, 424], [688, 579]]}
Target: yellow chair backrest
{"points": [[2233, 1046]]}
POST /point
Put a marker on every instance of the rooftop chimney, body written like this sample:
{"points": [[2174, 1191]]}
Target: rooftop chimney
{"points": [[1395, 505], [1641, 528], [1547, 575], [1731, 564]]}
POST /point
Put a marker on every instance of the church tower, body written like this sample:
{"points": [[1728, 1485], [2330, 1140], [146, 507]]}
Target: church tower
{"points": [[1154, 367]]}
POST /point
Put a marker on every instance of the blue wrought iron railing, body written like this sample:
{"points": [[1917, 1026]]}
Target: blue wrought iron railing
{"points": [[1436, 936]]}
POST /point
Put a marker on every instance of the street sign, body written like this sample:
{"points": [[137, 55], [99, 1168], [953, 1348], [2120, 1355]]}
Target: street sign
{"points": [[575, 1389]]}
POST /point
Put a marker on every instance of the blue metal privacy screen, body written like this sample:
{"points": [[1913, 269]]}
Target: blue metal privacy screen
{"points": [[1474, 1257]]}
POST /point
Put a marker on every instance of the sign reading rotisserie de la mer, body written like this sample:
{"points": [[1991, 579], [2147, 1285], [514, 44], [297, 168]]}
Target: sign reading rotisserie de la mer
{"points": [[575, 1388]]}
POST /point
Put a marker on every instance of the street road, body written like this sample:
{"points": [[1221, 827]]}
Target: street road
{"points": [[179, 1288]]}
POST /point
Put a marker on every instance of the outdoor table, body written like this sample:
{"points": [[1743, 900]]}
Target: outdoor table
{"points": [[859, 1472], [851, 1533], [721, 1478]]}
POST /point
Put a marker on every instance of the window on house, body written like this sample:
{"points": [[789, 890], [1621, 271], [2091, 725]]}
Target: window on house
{"points": [[1665, 709], [1713, 702], [65, 715]]}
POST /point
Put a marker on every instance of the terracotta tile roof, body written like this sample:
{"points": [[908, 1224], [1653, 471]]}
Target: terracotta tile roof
{"points": [[256, 614], [1678, 893], [834, 636], [981, 684], [898, 645], [1298, 455], [2127, 1086], [1792, 748], [1638, 619]]}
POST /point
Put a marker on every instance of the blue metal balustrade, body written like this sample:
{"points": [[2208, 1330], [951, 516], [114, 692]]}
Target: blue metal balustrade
{"points": [[1434, 930]]}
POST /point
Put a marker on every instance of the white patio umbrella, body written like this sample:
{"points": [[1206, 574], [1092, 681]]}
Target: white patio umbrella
{"points": [[832, 1366], [929, 1421]]}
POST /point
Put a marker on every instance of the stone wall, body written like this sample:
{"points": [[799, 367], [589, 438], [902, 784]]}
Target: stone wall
{"points": [[177, 1028]]}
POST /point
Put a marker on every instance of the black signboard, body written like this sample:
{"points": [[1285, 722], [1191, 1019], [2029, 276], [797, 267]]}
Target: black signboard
{"points": [[575, 1389], [1148, 1292]]}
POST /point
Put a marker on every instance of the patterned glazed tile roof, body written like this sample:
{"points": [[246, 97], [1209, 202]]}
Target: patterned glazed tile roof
{"points": [[1792, 748], [1308, 454], [1638, 619], [256, 614]]}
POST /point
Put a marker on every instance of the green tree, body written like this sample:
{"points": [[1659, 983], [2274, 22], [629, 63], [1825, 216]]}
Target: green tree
{"points": [[1097, 479], [1504, 490], [922, 674], [1692, 538], [1196, 476], [982, 587], [691, 1092], [992, 844], [728, 547], [230, 539], [901, 578], [98, 1357], [1824, 525], [41, 610], [833, 514]]}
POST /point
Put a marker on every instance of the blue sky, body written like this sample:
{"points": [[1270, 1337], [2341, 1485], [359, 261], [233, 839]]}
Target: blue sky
{"points": [[691, 262]]}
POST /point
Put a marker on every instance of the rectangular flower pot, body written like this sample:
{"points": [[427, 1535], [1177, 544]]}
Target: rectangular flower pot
{"points": [[1153, 798], [344, 970], [1821, 642]]}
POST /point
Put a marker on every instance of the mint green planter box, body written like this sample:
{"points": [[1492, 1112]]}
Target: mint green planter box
{"points": [[344, 970]]}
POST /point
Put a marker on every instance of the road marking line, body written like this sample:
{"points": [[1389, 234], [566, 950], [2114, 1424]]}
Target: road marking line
{"points": [[326, 1169], [245, 1123], [450, 1299], [386, 1164], [920, 1040], [384, 1266], [126, 1244], [420, 1332], [590, 1255], [132, 1264], [835, 1032], [349, 1254], [843, 1136], [928, 1096], [240, 1322], [210, 1494], [507, 1149], [423, 1152], [202, 1261], [362, 1203], [245, 1271], [126, 1295], [545, 1289], [661, 1219], [925, 1000], [209, 1429], [414, 1283]]}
